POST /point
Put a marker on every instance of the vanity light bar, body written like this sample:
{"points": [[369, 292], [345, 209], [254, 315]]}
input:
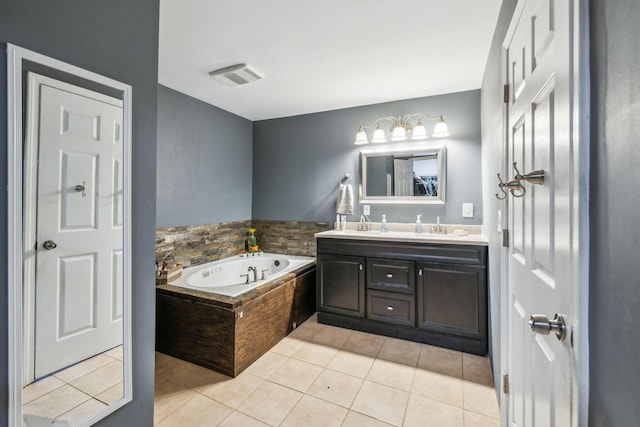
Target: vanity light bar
{"points": [[401, 127]]}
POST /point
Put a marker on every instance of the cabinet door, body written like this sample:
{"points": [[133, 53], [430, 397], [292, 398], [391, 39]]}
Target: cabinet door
{"points": [[341, 285], [452, 299]]}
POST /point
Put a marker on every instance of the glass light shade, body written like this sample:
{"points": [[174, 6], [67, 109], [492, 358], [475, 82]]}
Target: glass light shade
{"points": [[398, 133], [419, 131], [361, 137], [378, 135], [440, 129]]}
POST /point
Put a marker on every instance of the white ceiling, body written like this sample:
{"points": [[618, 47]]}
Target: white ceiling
{"points": [[320, 55]]}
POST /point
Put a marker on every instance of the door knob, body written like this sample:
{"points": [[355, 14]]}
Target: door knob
{"points": [[542, 325], [49, 244]]}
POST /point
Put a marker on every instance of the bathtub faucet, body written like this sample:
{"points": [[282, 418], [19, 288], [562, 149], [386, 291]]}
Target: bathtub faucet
{"points": [[255, 273]]}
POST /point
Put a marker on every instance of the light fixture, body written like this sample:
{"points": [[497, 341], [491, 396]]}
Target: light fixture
{"points": [[401, 128]]}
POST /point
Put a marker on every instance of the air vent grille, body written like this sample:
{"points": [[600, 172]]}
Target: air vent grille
{"points": [[239, 74]]}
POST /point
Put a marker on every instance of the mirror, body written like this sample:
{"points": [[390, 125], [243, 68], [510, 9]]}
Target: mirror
{"points": [[69, 266], [403, 174]]}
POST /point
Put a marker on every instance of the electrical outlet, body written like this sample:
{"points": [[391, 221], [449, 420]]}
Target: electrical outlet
{"points": [[366, 209], [467, 210]]}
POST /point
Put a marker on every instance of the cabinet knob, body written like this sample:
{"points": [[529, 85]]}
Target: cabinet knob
{"points": [[389, 275], [390, 307]]}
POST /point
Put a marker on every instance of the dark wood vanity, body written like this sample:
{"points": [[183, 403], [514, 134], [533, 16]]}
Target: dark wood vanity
{"points": [[434, 293]]}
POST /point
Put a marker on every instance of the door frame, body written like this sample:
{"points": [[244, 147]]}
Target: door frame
{"points": [[581, 141], [16, 219]]}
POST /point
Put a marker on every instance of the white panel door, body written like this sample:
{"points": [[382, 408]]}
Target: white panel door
{"points": [[403, 177], [78, 302], [542, 273]]}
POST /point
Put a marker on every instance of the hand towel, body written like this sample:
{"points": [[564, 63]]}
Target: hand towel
{"points": [[344, 205]]}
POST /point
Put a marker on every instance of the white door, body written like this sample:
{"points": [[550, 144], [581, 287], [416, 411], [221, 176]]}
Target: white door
{"points": [[403, 177], [543, 247], [78, 280]]}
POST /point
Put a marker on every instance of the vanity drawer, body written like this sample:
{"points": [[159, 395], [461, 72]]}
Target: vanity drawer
{"points": [[391, 307], [391, 275]]}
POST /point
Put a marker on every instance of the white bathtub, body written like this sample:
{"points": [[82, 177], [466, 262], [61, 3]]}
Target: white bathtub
{"points": [[227, 276]]}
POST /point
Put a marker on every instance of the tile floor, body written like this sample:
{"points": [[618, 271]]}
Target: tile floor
{"points": [[325, 376], [76, 392]]}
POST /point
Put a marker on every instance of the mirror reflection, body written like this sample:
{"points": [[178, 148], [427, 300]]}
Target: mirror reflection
{"points": [[75, 251], [409, 175]]}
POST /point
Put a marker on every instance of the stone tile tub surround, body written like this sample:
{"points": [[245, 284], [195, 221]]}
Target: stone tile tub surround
{"points": [[199, 244]]}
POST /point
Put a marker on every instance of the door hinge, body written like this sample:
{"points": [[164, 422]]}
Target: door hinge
{"points": [[505, 384], [505, 238], [505, 93]]}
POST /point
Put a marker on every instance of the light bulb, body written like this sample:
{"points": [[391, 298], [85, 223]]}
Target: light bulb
{"points": [[378, 135], [398, 133], [440, 129], [361, 137], [419, 132]]}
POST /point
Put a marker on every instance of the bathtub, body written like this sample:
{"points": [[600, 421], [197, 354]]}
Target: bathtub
{"points": [[228, 276]]}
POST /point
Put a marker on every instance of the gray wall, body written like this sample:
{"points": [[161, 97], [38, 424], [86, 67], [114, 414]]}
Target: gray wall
{"points": [[299, 161], [615, 235], [204, 162], [492, 140], [118, 39]]}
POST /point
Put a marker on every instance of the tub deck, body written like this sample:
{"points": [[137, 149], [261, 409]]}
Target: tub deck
{"points": [[227, 334]]}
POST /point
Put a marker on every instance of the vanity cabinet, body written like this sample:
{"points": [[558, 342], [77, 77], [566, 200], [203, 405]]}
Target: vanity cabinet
{"points": [[341, 281], [434, 293]]}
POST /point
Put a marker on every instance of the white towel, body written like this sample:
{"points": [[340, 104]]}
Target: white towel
{"points": [[344, 205]]}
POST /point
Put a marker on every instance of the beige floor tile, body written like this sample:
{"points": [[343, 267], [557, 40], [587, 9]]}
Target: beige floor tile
{"points": [[233, 391], [115, 352], [238, 419], [472, 419], [350, 363], [270, 403], [287, 346], [169, 396], [83, 368], [438, 387], [267, 364], [400, 351], [381, 402], [393, 374], [189, 374], [364, 343], [424, 412], [306, 331], [332, 336], [441, 360], [57, 402], [356, 419], [101, 379], [313, 412], [111, 395], [199, 411], [82, 412], [476, 369], [296, 374], [40, 388], [336, 387], [481, 399], [316, 354]]}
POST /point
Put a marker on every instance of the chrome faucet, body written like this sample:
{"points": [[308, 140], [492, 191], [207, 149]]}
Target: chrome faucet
{"points": [[438, 229], [255, 273], [364, 225]]}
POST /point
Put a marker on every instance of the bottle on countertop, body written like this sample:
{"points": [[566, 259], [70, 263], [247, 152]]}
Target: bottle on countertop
{"points": [[418, 224], [383, 224]]}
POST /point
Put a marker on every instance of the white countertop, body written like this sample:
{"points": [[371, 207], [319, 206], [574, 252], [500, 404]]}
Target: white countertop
{"points": [[406, 236]]}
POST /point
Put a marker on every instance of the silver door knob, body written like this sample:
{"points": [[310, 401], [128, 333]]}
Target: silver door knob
{"points": [[542, 325], [49, 244]]}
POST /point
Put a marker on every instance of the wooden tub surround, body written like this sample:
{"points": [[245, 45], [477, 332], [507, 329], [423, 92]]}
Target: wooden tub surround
{"points": [[228, 334]]}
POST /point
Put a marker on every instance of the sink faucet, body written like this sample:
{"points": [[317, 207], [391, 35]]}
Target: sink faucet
{"points": [[255, 273], [438, 229], [364, 225]]}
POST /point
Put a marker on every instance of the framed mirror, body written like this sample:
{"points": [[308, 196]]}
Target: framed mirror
{"points": [[403, 174], [69, 248]]}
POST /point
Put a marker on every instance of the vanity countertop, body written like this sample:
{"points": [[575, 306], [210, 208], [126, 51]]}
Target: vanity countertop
{"points": [[406, 236]]}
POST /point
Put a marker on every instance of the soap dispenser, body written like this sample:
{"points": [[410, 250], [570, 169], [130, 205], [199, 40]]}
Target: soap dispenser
{"points": [[383, 224], [418, 224]]}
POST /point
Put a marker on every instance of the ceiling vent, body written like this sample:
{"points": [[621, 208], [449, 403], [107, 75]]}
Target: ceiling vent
{"points": [[234, 75]]}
